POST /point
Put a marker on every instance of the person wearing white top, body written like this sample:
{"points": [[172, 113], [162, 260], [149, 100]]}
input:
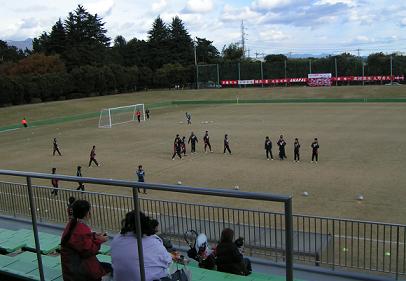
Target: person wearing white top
{"points": [[124, 252]]}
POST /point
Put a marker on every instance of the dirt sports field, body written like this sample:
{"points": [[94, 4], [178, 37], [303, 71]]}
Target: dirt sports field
{"points": [[362, 147]]}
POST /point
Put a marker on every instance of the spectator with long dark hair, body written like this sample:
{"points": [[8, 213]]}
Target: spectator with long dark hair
{"points": [[228, 257], [124, 251], [79, 247]]}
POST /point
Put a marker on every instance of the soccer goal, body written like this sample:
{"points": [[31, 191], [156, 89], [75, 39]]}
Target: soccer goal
{"points": [[120, 115]]}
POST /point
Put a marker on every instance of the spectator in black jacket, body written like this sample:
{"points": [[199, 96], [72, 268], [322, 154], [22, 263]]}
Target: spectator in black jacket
{"points": [[268, 148], [229, 258]]}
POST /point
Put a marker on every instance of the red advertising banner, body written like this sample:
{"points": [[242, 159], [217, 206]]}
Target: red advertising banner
{"points": [[306, 80]]}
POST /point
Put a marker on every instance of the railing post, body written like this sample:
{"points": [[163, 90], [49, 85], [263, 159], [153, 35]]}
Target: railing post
{"points": [[139, 234], [35, 229], [289, 239]]}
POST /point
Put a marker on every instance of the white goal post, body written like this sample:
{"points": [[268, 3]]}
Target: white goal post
{"points": [[120, 115]]}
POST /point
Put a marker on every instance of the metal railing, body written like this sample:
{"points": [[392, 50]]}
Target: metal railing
{"points": [[321, 241], [109, 209]]}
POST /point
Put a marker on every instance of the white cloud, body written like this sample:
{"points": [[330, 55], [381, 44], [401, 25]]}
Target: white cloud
{"points": [[403, 22], [198, 6], [237, 14], [102, 8], [159, 5], [273, 35], [333, 2], [270, 4]]}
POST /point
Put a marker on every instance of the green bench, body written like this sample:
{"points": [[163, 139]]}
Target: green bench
{"points": [[11, 241]]}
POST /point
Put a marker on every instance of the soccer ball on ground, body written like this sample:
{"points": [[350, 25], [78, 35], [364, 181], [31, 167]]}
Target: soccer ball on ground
{"points": [[179, 182]]}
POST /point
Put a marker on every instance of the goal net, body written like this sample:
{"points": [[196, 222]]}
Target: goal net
{"points": [[120, 115]]}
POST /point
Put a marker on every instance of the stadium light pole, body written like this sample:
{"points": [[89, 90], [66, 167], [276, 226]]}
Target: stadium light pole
{"points": [[196, 66]]}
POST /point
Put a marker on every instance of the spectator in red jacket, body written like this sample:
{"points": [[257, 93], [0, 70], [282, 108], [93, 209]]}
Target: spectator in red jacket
{"points": [[79, 247]]}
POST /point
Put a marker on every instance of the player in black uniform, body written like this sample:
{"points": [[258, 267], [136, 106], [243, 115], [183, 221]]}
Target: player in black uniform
{"points": [[193, 140], [79, 174], [56, 148], [315, 150], [183, 145], [93, 156], [268, 148], [177, 149], [296, 150], [226, 144], [147, 112], [281, 143], [206, 140]]}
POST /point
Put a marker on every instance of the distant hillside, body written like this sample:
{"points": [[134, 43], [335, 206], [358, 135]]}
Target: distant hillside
{"points": [[27, 43]]}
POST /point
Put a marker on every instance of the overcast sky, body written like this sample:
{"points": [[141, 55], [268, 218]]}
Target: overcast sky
{"points": [[272, 26]]}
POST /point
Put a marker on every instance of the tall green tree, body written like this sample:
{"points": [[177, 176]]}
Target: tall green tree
{"points": [[86, 38], [57, 39], [206, 53], [159, 44], [232, 52], [181, 44]]}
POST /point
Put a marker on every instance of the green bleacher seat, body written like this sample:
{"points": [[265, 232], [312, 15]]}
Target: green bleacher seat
{"points": [[50, 273], [5, 261], [104, 249], [47, 261], [104, 258]]}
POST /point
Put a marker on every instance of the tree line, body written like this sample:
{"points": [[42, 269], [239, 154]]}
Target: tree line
{"points": [[77, 59]]}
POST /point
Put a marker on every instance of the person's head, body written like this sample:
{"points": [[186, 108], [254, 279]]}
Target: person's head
{"points": [[227, 235], [281, 137], [94, 146], [193, 134], [53, 170], [183, 137], [81, 209], [154, 225], [207, 132], [267, 138], [128, 224], [315, 139], [140, 167], [225, 136], [71, 200], [177, 135], [54, 139], [296, 140]]}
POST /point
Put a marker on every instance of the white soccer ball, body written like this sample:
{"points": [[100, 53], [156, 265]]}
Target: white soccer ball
{"points": [[236, 187], [360, 197], [305, 193], [180, 122], [179, 182]]}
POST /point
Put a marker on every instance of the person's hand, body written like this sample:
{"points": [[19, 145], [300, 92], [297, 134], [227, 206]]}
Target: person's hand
{"points": [[102, 237]]}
